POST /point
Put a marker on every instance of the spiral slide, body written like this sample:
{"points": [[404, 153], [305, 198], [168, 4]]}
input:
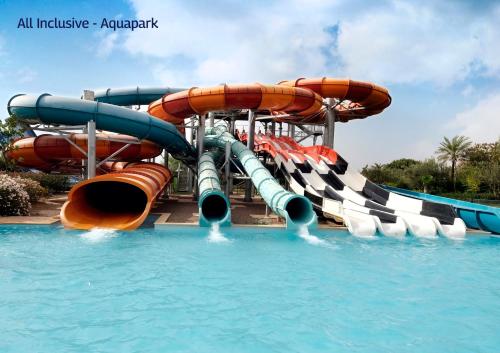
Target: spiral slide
{"points": [[323, 176]]}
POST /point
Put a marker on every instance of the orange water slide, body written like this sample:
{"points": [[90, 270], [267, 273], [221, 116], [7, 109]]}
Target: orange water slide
{"points": [[118, 200], [49, 152], [176, 107], [362, 99]]}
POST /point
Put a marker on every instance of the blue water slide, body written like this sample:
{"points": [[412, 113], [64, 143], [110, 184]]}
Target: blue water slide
{"points": [[53, 110], [474, 215], [133, 96]]}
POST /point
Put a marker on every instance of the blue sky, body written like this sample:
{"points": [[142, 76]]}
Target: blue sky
{"points": [[440, 60]]}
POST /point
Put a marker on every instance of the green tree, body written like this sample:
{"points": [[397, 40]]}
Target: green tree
{"points": [[453, 151], [9, 131], [426, 180]]}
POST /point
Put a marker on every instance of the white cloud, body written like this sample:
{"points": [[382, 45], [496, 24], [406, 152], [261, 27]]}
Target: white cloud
{"points": [[413, 42], [26, 74], [235, 43], [395, 42], [106, 44], [482, 122]]}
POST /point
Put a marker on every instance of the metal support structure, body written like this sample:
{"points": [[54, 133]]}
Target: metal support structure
{"points": [[329, 136], [291, 130], [250, 145], [232, 126], [273, 128], [200, 134], [88, 172], [227, 169], [211, 119], [113, 155], [189, 171], [91, 149]]}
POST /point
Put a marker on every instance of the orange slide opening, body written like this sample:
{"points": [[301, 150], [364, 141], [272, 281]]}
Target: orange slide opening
{"points": [[119, 200]]}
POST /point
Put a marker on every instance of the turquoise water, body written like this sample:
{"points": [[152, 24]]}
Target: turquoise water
{"points": [[262, 291]]}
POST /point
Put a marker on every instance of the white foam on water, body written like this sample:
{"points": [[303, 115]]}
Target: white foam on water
{"points": [[303, 232], [215, 235], [98, 235], [365, 237]]}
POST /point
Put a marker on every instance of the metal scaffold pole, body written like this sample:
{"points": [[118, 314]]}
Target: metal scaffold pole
{"points": [[227, 169], [250, 145], [90, 164], [200, 135], [91, 153], [211, 119], [330, 124], [189, 172]]}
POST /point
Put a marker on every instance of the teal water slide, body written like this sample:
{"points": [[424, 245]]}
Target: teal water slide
{"points": [[474, 215], [212, 203], [52, 110], [295, 209]]}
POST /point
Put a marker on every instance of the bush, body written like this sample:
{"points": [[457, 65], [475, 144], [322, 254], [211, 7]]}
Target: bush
{"points": [[52, 182], [14, 201], [33, 188]]}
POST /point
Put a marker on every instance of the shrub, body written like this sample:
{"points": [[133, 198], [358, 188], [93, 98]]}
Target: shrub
{"points": [[52, 182], [33, 188], [14, 201]]}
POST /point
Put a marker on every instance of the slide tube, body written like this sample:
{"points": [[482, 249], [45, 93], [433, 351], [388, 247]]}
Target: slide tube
{"points": [[119, 200], [212, 203], [295, 209], [69, 111], [474, 215], [47, 152], [133, 96]]}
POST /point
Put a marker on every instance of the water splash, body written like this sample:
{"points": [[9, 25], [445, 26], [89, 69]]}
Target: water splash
{"points": [[98, 235], [365, 237], [215, 235], [303, 232]]}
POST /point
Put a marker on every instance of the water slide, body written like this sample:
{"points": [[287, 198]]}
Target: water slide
{"points": [[212, 203], [65, 153], [173, 108], [323, 176], [295, 209], [89, 203], [474, 215], [301, 100]]}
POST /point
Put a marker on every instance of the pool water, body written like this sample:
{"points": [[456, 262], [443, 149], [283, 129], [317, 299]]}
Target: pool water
{"points": [[263, 290]]}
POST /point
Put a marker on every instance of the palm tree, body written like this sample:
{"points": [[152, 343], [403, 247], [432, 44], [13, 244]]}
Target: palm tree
{"points": [[452, 151]]}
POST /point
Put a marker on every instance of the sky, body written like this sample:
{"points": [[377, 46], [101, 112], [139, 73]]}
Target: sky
{"points": [[440, 60]]}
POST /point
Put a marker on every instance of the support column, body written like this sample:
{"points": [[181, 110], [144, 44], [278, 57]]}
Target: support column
{"points": [[273, 128], [291, 131], [91, 146], [250, 145], [227, 169], [280, 130], [200, 134], [189, 171], [211, 119], [232, 126], [330, 123], [89, 96]]}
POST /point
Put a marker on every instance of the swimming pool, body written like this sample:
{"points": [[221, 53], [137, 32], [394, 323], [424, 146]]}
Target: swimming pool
{"points": [[264, 290]]}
